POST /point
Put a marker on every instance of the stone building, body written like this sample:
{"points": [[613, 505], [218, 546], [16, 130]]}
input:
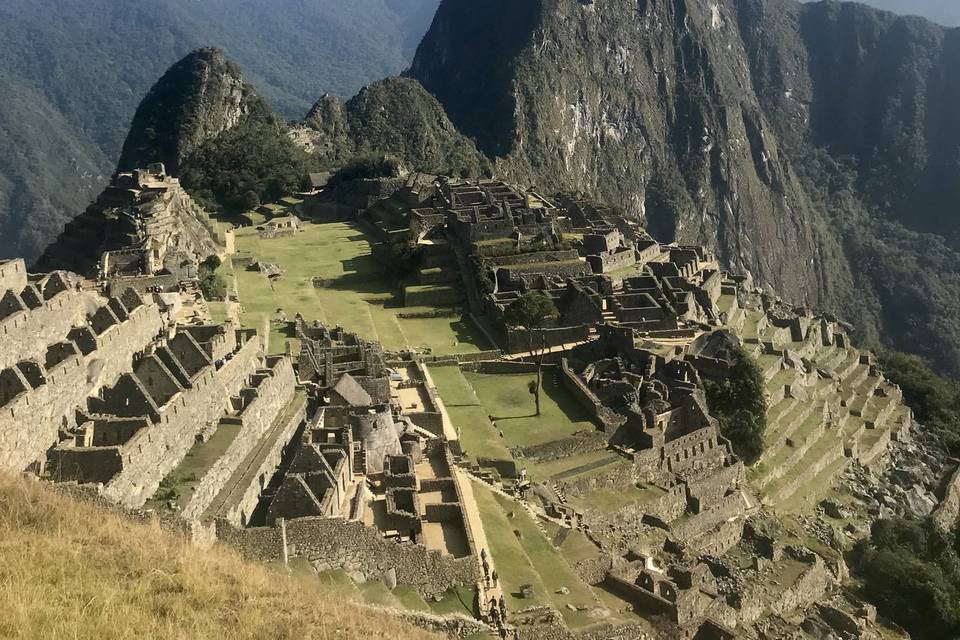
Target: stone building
{"points": [[327, 354]]}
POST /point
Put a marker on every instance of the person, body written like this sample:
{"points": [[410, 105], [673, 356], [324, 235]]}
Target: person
{"points": [[493, 577], [503, 608]]}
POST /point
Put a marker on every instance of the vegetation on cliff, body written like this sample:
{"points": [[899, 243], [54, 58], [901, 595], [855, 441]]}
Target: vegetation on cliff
{"points": [[397, 117], [73, 72], [935, 400], [252, 163], [71, 570], [911, 570], [738, 402]]}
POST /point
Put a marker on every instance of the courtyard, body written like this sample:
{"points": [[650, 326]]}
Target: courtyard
{"points": [[358, 293]]}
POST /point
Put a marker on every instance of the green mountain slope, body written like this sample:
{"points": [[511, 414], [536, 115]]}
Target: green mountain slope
{"points": [[945, 12], [87, 64]]}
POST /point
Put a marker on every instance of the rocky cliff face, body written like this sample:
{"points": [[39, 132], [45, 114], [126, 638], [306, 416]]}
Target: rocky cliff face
{"points": [[648, 105], [708, 120], [196, 100], [871, 85]]}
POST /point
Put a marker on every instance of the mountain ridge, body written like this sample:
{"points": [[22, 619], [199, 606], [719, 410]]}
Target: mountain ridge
{"points": [[292, 50]]}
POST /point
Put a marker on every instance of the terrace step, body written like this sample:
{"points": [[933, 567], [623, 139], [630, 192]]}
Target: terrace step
{"points": [[816, 459]]}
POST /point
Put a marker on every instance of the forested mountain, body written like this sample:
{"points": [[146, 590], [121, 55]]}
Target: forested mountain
{"points": [[73, 71]]}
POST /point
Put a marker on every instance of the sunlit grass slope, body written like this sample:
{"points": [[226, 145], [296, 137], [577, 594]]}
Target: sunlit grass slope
{"points": [[69, 570]]}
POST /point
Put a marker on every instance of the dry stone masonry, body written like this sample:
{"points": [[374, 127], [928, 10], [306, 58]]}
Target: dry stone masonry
{"points": [[344, 455]]}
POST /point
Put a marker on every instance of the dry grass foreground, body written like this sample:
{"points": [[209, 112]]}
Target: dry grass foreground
{"points": [[70, 570]]}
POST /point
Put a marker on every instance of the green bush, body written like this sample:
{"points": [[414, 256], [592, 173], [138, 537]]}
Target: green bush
{"points": [[739, 404], [252, 163], [911, 571], [935, 400], [213, 286], [367, 167]]}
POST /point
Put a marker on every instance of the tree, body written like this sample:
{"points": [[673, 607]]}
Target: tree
{"points": [[533, 312], [738, 403]]}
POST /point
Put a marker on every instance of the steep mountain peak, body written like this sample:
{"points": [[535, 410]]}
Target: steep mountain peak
{"points": [[643, 104], [197, 99], [396, 116]]}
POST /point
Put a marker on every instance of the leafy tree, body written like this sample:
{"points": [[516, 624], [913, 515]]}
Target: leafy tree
{"points": [[934, 399], [212, 284], [252, 163], [212, 263], [739, 404], [367, 167], [911, 570], [534, 312]]}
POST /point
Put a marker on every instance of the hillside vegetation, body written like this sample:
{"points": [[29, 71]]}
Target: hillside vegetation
{"points": [[69, 570], [73, 71]]}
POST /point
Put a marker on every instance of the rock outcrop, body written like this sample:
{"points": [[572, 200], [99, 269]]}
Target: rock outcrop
{"points": [[646, 105]]}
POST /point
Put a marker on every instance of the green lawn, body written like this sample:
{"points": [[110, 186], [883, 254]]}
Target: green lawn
{"points": [[478, 437], [523, 555], [459, 600], [360, 295], [609, 500], [542, 471], [508, 399], [198, 461]]}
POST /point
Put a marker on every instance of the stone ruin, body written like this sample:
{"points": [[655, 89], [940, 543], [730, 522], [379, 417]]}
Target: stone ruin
{"points": [[144, 231], [344, 460]]}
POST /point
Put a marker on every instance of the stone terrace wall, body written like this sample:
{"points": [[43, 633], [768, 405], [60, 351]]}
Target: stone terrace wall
{"points": [[157, 449], [241, 503], [13, 275], [273, 394], [518, 341], [29, 424], [605, 418], [25, 334], [335, 543]]}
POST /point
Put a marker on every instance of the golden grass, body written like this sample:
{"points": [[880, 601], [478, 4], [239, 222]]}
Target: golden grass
{"points": [[70, 570]]}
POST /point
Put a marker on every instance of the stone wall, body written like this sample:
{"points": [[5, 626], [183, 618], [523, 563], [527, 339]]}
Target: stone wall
{"points": [[272, 395], [240, 501], [947, 513], [607, 262], [30, 422], [434, 296], [518, 340], [156, 450], [726, 508], [605, 418], [13, 275], [334, 543], [27, 333], [566, 447], [505, 367], [432, 421]]}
